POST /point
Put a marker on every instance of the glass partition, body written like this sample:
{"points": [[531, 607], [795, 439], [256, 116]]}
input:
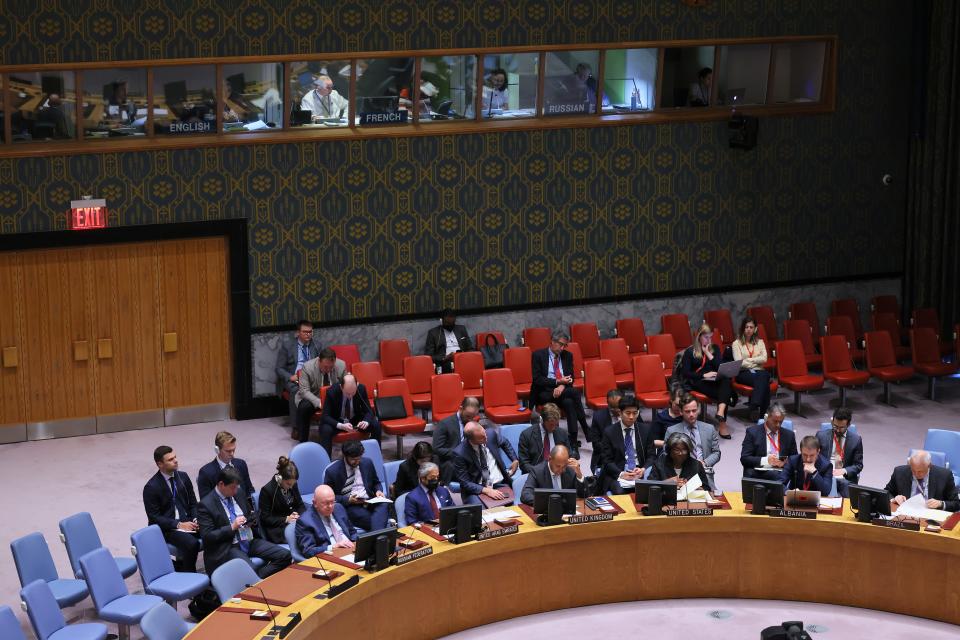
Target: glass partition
{"points": [[251, 96], [687, 77], [114, 103], [797, 72], [510, 85], [569, 86], [384, 91], [320, 93], [184, 100], [629, 80], [742, 72], [43, 105], [447, 88]]}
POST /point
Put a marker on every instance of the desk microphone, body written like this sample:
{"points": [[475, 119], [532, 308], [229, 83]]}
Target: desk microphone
{"points": [[266, 601], [326, 574]]}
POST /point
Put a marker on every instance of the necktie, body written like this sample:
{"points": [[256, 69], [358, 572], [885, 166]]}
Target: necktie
{"points": [[631, 449], [484, 471], [546, 445], [334, 530], [325, 381], [244, 545], [695, 436], [557, 372], [348, 485], [348, 409], [921, 490], [556, 481], [306, 352], [176, 501], [434, 505]]}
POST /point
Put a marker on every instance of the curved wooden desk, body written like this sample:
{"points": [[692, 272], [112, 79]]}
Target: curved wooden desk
{"points": [[833, 559]]}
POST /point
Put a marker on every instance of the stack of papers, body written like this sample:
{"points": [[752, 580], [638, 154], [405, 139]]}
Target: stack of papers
{"points": [[833, 503], [378, 500], [916, 507], [499, 514], [692, 491]]}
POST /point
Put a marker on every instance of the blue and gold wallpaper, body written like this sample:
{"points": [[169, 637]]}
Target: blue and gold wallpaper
{"points": [[345, 230]]}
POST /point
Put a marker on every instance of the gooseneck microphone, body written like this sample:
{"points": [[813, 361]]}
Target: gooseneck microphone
{"points": [[266, 601]]}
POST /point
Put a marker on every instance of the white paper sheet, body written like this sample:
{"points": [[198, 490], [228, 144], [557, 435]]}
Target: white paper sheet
{"points": [[689, 491], [916, 507], [833, 503], [378, 500]]}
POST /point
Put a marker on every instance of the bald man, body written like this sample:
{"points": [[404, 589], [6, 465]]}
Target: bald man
{"points": [[325, 525], [921, 476], [559, 471], [477, 467]]}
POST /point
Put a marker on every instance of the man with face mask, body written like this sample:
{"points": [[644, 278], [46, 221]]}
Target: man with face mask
{"points": [[424, 503], [560, 471], [445, 340]]}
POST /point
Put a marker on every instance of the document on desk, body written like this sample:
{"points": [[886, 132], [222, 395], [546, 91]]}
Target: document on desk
{"points": [[256, 125], [692, 491], [916, 507], [833, 503], [500, 514], [378, 500]]}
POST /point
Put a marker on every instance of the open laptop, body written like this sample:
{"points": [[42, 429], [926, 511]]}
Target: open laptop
{"points": [[729, 369], [803, 499]]}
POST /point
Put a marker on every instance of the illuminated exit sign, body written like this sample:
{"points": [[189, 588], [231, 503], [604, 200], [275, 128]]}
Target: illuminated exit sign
{"points": [[87, 214]]}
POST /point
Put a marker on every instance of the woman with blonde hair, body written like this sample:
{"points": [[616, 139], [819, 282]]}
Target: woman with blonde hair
{"points": [[698, 370]]}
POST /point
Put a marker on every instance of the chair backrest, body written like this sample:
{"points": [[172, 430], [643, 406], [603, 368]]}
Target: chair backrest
{"points": [[827, 426], [311, 459], [842, 325], [391, 468], [153, 557], [80, 536], [946, 441], [574, 349], [163, 623], [633, 331], [103, 577], [400, 504], [615, 350], [446, 394], [885, 321], [648, 374], [786, 424], [807, 311], [469, 364], [598, 378], [924, 348], [799, 330], [537, 338], [10, 626], [518, 482], [677, 325], [587, 336], [396, 387], [42, 609], [836, 355], [32, 557], [231, 578], [663, 346], [790, 359], [372, 451], [290, 537], [481, 338], [765, 316], [511, 433], [368, 374], [721, 322], [392, 353], [885, 304], [499, 388], [349, 353], [417, 371], [938, 458], [518, 360], [850, 308], [926, 317], [879, 349]]}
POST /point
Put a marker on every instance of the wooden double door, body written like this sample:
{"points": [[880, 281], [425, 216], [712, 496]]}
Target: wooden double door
{"points": [[113, 337]]}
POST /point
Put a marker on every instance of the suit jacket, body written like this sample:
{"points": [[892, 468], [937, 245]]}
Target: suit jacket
{"points": [[852, 452], [287, 359], [417, 507], [274, 509], [336, 477], [600, 421], [540, 362], [531, 446], [333, 407], [753, 451], [311, 380], [436, 346], [662, 420], [446, 436], [539, 478], [613, 451], [709, 442], [792, 474], [408, 476], [215, 527], [662, 469], [312, 536], [158, 501], [207, 477], [940, 485], [466, 464], [691, 368]]}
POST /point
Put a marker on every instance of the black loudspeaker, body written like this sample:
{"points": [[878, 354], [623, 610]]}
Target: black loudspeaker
{"points": [[743, 131]]}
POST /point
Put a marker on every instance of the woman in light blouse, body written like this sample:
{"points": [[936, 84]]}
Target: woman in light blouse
{"points": [[750, 350]]}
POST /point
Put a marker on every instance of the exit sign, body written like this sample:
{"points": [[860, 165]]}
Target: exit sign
{"points": [[87, 214]]}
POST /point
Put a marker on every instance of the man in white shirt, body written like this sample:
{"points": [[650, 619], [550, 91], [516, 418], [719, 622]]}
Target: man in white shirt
{"points": [[324, 102], [445, 340], [476, 467]]}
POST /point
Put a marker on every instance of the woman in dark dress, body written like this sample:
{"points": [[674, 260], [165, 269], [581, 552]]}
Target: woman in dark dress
{"points": [[699, 366], [676, 462], [408, 477], [280, 502]]}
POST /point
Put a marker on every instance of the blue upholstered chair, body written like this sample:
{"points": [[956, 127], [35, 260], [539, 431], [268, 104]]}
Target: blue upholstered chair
{"points": [[156, 568], [109, 592], [400, 503], [47, 619], [231, 578], [518, 481], [391, 469], [290, 535], [164, 623], [80, 536], [9, 625], [34, 562], [311, 459]]}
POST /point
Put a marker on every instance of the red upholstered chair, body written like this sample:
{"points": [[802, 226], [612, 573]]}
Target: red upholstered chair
{"points": [[633, 331], [838, 367], [587, 336], [792, 371], [765, 318], [925, 351], [850, 308], [885, 304], [615, 350], [481, 338], [400, 426], [349, 353], [574, 349], [500, 402], [722, 323], [418, 371], [807, 311], [368, 374], [677, 325], [519, 361], [663, 346], [746, 390], [649, 384], [536, 338], [928, 317], [392, 353], [882, 362], [599, 379], [843, 326], [446, 393], [469, 364], [886, 321], [771, 364], [800, 330]]}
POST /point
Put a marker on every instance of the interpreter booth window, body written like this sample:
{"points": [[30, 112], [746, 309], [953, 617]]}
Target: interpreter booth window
{"points": [[114, 103], [629, 80], [797, 72], [569, 84], [385, 91], [252, 98], [741, 74], [687, 77], [43, 106], [184, 100], [447, 88], [510, 85], [320, 93]]}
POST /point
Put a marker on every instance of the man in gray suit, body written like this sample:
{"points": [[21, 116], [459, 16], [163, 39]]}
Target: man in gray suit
{"points": [[844, 449], [295, 351], [323, 371], [448, 433], [705, 440], [538, 440]]}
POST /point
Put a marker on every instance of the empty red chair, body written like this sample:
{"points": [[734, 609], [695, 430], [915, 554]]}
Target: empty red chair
{"points": [[400, 426], [838, 367], [765, 318], [649, 384], [519, 361], [677, 325], [722, 323], [500, 401], [599, 379], [807, 311], [800, 330], [771, 363], [392, 353], [633, 331], [792, 371], [850, 308], [418, 371], [885, 304], [928, 317], [536, 338], [574, 349], [925, 351], [469, 364], [368, 374], [587, 336], [349, 353], [481, 338], [886, 321], [663, 346], [843, 326], [615, 350], [882, 362], [446, 393]]}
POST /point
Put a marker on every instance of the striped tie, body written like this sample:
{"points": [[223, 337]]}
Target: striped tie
{"points": [[348, 485]]}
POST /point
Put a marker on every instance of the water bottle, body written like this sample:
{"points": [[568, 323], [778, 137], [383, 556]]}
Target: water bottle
{"points": [[633, 100]]}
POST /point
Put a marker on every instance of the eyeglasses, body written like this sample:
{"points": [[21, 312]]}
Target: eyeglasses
{"points": [[562, 345]]}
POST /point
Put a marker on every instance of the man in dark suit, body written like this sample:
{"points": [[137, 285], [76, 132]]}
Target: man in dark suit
{"points": [[921, 476], [559, 471], [228, 529], [445, 340], [347, 408], [767, 445], [626, 449], [448, 433], [423, 503], [170, 504], [325, 525], [354, 480], [603, 418], [225, 444], [295, 351], [808, 470], [477, 467], [538, 440], [553, 382], [844, 450]]}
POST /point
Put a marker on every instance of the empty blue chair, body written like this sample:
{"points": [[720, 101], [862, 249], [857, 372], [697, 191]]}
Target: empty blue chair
{"points": [[391, 469], [787, 424], [311, 459], [946, 441], [511, 433], [80, 536], [290, 535], [518, 481], [34, 562], [371, 450], [47, 619], [164, 623], [156, 568], [231, 578], [9, 625], [824, 426], [400, 504], [109, 592]]}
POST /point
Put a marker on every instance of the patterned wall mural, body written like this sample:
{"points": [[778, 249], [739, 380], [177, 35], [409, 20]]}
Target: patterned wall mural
{"points": [[342, 230]]}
